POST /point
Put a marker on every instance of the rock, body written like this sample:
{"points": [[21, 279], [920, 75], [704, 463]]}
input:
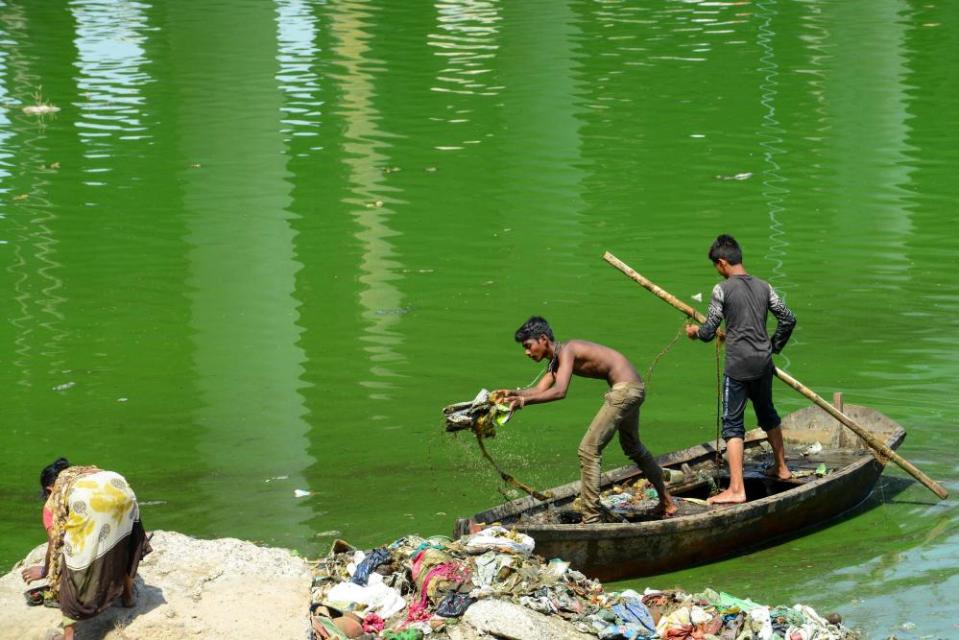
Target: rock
{"points": [[512, 621], [186, 588], [464, 631]]}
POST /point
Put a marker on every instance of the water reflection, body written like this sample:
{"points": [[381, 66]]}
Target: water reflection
{"points": [[35, 268], [868, 100], [775, 191], [466, 37], [372, 202], [235, 193], [6, 131], [109, 40], [298, 81]]}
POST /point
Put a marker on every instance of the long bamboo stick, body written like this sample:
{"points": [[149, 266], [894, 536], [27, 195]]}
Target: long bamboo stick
{"points": [[877, 445]]}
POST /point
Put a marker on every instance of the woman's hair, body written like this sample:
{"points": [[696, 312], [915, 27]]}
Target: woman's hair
{"points": [[49, 474]]}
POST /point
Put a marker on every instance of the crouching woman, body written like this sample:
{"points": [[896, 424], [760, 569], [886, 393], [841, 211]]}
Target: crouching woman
{"points": [[95, 538]]}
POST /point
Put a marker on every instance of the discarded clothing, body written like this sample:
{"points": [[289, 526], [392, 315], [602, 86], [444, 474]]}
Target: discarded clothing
{"points": [[500, 539], [369, 563], [481, 414], [376, 596], [454, 605], [633, 612]]}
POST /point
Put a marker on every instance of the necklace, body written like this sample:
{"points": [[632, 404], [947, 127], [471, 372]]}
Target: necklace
{"points": [[554, 361]]}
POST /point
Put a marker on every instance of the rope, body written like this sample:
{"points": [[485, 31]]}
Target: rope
{"points": [[666, 349], [510, 480], [719, 401]]}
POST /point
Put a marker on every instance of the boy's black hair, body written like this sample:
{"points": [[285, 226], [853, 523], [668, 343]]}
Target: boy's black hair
{"points": [[50, 472], [726, 247], [533, 328]]}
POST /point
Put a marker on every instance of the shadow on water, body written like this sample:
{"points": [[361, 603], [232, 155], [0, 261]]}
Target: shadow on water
{"points": [[885, 492]]}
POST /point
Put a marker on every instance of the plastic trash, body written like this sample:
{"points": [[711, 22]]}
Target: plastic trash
{"points": [[813, 449], [500, 539]]}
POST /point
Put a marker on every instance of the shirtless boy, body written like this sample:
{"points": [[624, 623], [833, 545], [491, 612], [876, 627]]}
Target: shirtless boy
{"points": [[619, 413], [744, 302]]}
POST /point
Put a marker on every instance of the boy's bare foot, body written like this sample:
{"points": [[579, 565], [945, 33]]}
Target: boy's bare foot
{"points": [[667, 509], [779, 473], [727, 497]]}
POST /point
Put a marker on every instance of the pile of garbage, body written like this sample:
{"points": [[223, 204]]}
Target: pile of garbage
{"points": [[417, 587]]}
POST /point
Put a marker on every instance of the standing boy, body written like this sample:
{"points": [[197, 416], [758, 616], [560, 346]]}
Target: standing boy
{"points": [[619, 413], [744, 302]]}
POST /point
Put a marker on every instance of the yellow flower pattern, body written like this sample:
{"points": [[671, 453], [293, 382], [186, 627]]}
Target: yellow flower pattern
{"points": [[101, 510], [111, 500], [78, 528]]}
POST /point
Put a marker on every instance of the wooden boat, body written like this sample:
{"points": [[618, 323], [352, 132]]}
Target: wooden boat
{"points": [[775, 509]]}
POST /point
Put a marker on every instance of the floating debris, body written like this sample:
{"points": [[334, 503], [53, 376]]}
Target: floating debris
{"points": [[64, 386], [813, 449], [300, 493], [277, 478], [395, 311], [698, 297], [40, 107], [331, 533], [21, 197], [739, 176]]}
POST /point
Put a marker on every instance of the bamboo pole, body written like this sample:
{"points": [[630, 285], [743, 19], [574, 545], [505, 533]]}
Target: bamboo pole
{"points": [[877, 445]]}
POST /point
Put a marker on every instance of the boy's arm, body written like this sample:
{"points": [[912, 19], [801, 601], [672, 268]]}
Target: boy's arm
{"points": [[511, 395], [714, 317], [785, 321], [559, 382]]}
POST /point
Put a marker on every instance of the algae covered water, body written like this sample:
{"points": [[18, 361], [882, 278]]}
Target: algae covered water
{"points": [[261, 245]]}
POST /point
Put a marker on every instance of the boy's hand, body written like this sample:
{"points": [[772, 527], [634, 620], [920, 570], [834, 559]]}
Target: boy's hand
{"points": [[692, 331], [517, 403], [499, 395]]}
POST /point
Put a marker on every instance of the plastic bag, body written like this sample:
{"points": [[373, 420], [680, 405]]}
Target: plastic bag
{"points": [[454, 604]]}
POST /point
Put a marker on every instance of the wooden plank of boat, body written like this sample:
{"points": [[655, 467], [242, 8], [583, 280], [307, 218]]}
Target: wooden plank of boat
{"points": [[774, 509]]}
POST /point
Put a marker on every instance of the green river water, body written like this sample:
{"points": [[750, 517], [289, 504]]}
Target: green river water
{"points": [[263, 243]]}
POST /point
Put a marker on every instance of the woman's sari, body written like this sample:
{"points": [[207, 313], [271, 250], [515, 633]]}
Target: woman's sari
{"points": [[96, 537]]}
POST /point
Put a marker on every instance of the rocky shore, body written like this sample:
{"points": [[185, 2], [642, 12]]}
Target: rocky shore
{"points": [[186, 588]]}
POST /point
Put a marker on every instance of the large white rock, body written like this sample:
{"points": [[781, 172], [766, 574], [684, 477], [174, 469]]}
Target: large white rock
{"points": [[507, 620], [187, 588]]}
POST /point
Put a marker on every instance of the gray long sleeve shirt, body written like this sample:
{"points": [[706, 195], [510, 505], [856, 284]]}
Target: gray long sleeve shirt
{"points": [[744, 302]]}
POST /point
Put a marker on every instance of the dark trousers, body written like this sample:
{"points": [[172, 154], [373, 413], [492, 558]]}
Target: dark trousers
{"points": [[735, 395]]}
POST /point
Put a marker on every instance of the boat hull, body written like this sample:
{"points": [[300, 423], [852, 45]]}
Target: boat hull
{"points": [[616, 551]]}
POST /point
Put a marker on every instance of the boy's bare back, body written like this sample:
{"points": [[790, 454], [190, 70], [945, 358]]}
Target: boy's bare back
{"points": [[592, 360]]}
